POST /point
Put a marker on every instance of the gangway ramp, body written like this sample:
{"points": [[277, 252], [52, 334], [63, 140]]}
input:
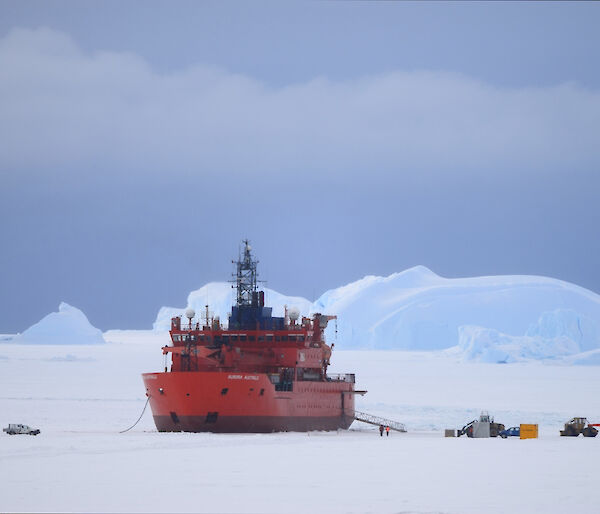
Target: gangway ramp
{"points": [[376, 420]]}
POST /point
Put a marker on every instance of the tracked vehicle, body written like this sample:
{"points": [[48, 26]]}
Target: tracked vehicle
{"points": [[578, 426]]}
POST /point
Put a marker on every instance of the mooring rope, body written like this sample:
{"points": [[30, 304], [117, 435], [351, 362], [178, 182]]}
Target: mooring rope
{"points": [[138, 420]]}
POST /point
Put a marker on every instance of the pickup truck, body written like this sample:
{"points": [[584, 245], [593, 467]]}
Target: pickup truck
{"points": [[16, 428]]}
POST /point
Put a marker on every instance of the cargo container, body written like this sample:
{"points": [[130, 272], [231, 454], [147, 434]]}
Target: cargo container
{"points": [[528, 431]]}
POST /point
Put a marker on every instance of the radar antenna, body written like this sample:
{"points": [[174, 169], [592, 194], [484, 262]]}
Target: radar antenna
{"points": [[245, 278]]}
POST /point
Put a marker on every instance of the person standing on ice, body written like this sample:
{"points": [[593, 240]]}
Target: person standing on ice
{"points": [[387, 431], [381, 430]]}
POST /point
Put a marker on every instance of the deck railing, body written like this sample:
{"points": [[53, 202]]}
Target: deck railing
{"points": [[341, 377]]}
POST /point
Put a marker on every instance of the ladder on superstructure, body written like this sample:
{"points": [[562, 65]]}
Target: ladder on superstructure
{"points": [[376, 420]]}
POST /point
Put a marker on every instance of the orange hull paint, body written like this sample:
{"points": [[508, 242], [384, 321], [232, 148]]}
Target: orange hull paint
{"points": [[220, 401]]}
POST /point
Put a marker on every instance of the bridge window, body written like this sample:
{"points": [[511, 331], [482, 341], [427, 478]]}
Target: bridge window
{"points": [[224, 391]]}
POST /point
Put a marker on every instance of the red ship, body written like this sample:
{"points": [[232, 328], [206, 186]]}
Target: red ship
{"points": [[260, 374]]}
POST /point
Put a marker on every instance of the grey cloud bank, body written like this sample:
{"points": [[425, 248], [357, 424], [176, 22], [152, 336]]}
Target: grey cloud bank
{"points": [[126, 183], [72, 107]]}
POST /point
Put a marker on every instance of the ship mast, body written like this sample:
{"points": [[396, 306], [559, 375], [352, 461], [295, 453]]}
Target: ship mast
{"points": [[245, 278]]}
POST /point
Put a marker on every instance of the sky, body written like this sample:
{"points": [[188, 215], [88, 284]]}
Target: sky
{"points": [[140, 142]]}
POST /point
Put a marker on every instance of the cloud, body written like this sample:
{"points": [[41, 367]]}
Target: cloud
{"points": [[63, 108]]}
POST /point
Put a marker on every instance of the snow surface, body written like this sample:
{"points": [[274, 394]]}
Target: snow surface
{"points": [[67, 326], [81, 396], [494, 319]]}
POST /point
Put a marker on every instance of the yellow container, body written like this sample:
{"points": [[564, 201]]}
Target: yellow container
{"points": [[529, 431]]}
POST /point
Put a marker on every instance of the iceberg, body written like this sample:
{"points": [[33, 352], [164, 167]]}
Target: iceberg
{"points": [[591, 358], [67, 326], [492, 319], [489, 345], [219, 297], [559, 333], [419, 310]]}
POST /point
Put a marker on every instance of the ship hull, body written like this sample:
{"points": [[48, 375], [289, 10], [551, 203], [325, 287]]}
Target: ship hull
{"points": [[233, 402], [250, 424]]}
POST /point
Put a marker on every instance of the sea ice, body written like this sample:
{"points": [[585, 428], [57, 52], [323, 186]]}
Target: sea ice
{"points": [[81, 463]]}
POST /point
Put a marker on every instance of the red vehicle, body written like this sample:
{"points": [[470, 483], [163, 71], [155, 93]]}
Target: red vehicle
{"points": [[260, 374]]}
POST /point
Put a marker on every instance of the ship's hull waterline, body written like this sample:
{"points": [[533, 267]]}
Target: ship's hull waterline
{"points": [[217, 401]]}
